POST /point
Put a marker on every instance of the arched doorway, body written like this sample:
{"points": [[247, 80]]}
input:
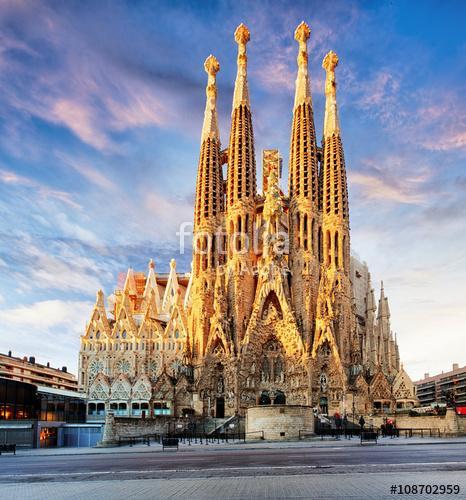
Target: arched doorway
{"points": [[220, 407], [264, 398], [280, 398]]}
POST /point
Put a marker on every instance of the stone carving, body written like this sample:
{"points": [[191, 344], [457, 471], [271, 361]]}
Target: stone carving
{"points": [[256, 320]]}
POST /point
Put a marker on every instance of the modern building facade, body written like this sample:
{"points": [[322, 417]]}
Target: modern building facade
{"points": [[274, 310], [39, 416], [446, 387], [27, 370]]}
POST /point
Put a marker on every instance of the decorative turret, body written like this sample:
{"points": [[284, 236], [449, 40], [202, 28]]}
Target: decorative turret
{"points": [[387, 358], [383, 310], [370, 341], [241, 159], [152, 287]]}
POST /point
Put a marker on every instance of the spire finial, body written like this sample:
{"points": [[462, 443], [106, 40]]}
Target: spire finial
{"points": [[173, 264], [210, 126], [242, 35], [241, 93], [329, 63], [151, 264], [303, 88], [211, 65], [331, 124], [302, 33]]}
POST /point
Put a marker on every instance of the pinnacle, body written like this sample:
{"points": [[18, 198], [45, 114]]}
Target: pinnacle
{"points": [[211, 65], [242, 35], [330, 61], [302, 32], [151, 264]]}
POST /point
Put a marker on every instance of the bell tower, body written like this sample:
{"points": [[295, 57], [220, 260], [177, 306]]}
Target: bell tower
{"points": [[208, 213], [304, 218], [240, 196]]}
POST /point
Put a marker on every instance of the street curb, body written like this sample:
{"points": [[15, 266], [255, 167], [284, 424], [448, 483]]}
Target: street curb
{"points": [[252, 447]]}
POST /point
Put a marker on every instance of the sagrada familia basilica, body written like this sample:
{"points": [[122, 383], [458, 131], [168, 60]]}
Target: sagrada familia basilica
{"points": [[275, 310]]}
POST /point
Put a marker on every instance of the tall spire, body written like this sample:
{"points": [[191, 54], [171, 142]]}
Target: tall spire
{"points": [[241, 158], [209, 196], [303, 172], [334, 185]]}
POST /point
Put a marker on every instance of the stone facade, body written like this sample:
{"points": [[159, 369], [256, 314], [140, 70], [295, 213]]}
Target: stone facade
{"points": [[274, 311]]}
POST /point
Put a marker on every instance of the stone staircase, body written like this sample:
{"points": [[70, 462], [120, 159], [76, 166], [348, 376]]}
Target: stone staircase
{"points": [[221, 425]]}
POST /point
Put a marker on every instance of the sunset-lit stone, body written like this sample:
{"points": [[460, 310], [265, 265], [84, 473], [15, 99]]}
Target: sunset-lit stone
{"points": [[275, 311]]}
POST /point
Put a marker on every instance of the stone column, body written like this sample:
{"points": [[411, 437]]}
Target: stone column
{"points": [[109, 437]]}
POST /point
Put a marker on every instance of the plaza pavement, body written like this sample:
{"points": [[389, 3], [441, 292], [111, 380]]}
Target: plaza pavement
{"points": [[337, 469], [337, 486]]}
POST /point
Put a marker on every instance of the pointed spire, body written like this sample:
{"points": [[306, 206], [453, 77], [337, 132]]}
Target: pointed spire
{"points": [[241, 92], [210, 126], [209, 185], [384, 310], [130, 283], [370, 301], [152, 307], [151, 285], [187, 296], [170, 296], [334, 189], [100, 299], [303, 88], [241, 182], [331, 124], [303, 168]]}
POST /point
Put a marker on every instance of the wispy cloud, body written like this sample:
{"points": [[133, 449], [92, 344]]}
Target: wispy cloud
{"points": [[392, 179], [88, 171], [11, 178]]}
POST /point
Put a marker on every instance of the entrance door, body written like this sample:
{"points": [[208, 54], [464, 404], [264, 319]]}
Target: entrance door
{"points": [[220, 408], [48, 437], [323, 403]]}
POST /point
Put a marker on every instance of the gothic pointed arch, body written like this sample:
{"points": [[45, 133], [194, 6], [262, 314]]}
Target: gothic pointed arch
{"points": [[141, 388], [99, 388], [98, 322], [379, 387], [218, 344], [121, 388], [164, 388], [403, 388], [271, 307]]}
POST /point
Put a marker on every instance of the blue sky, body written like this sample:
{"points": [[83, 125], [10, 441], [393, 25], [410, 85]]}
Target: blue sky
{"points": [[101, 106]]}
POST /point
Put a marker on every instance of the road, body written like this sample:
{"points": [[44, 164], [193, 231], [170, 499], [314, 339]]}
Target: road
{"points": [[355, 472]]}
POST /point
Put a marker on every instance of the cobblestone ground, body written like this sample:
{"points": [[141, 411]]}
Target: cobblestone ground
{"points": [[315, 486]]}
